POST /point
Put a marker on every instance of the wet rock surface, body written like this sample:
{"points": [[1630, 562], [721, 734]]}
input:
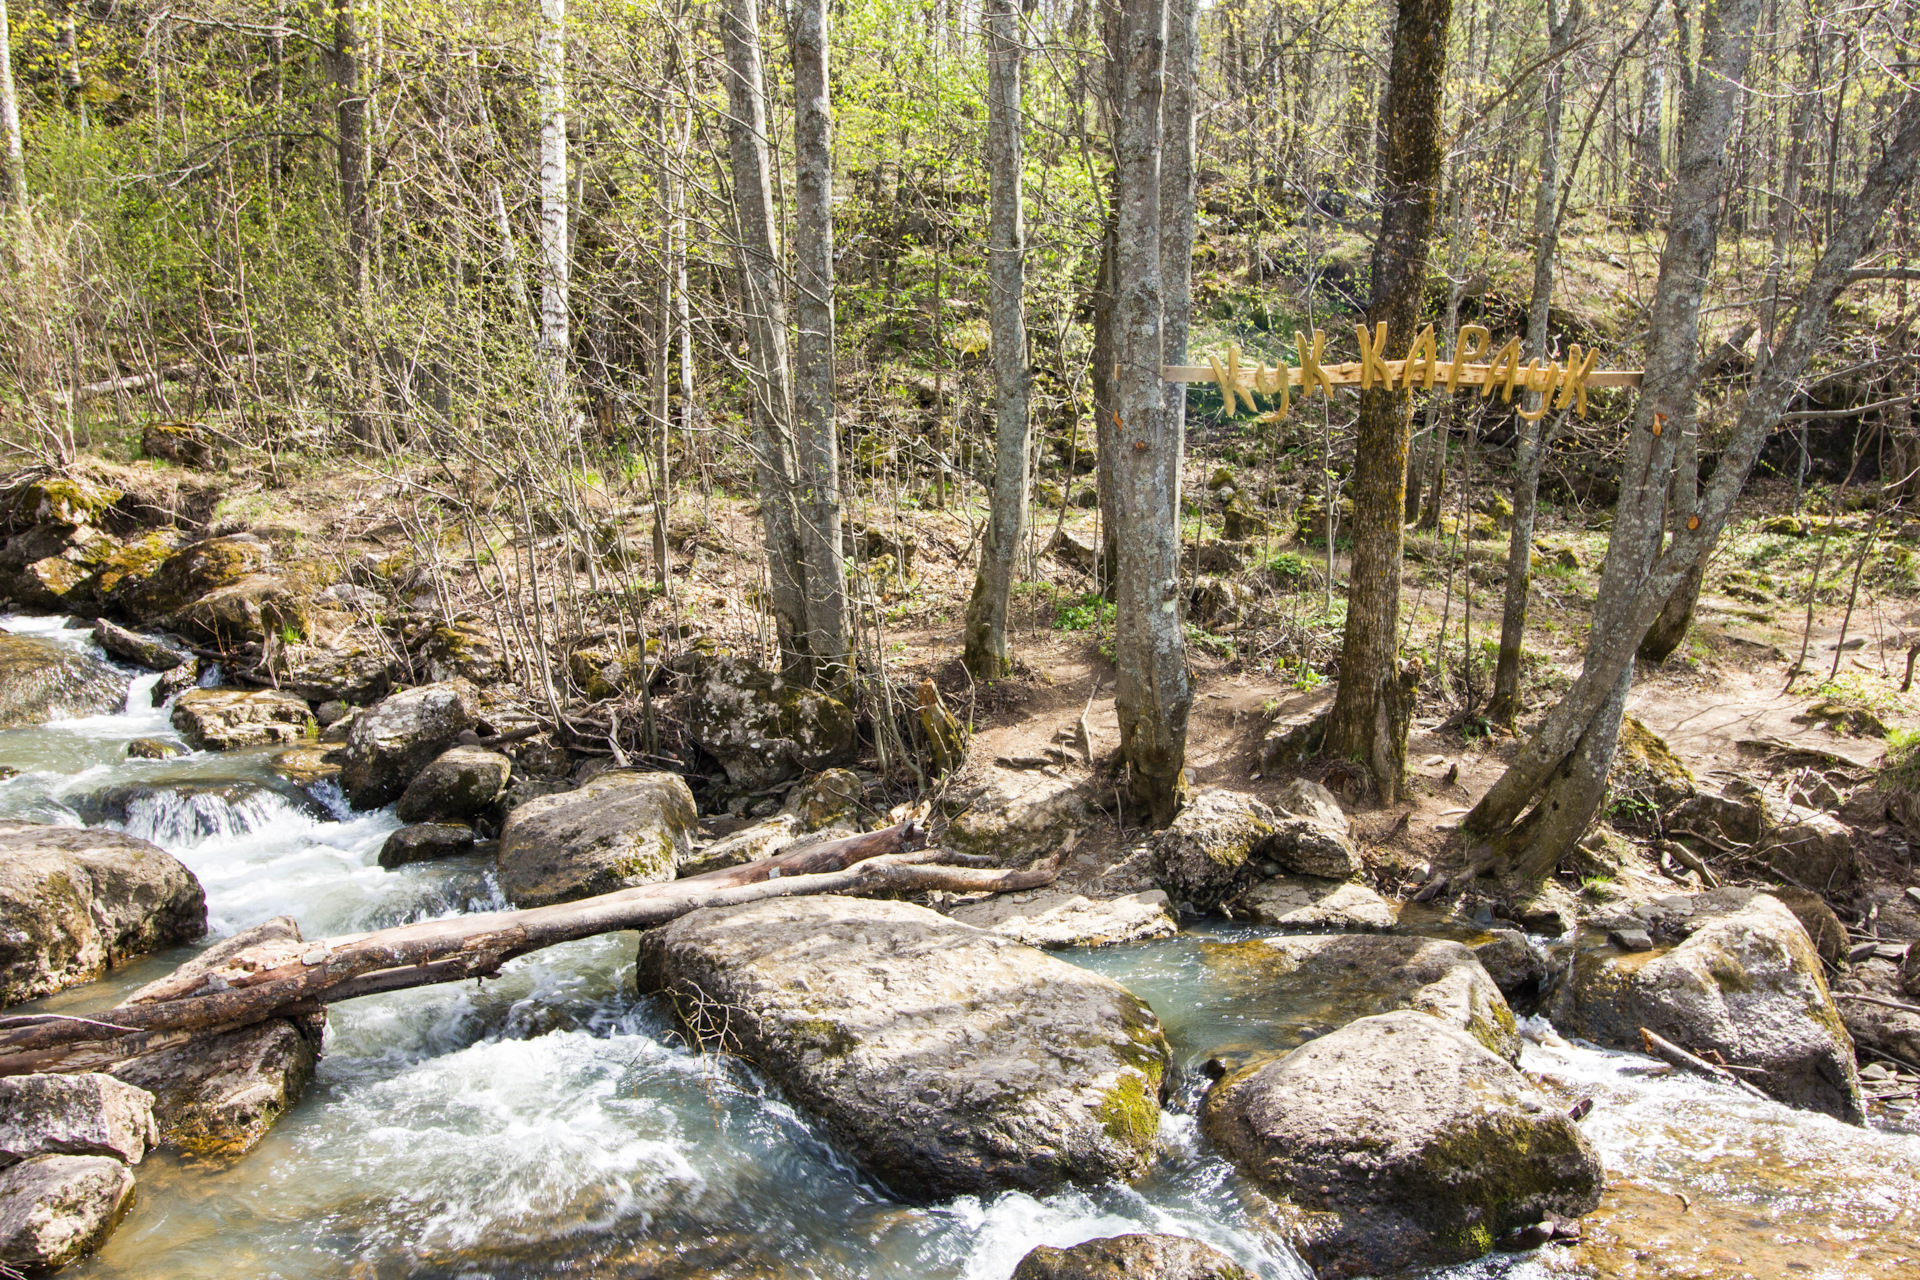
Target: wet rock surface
{"points": [[1131, 1257], [1401, 1142], [54, 1210], [75, 901], [222, 719], [946, 1060], [426, 841], [1731, 972], [152, 652], [623, 828], [390, 743], [42, 680]]}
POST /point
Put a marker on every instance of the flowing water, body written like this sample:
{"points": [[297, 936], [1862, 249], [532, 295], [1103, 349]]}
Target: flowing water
{"points": [[548, 1123]]}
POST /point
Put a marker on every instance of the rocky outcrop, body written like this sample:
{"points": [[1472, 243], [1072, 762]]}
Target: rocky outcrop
{"points": [[1013, 815], [461, 783], [395, 740], [76, 901], [1310, 981], [42, 680], [1135, 1257], [1402, 1143], [1223, 841], [55, 1210], [218, 1095], [1731, 972], [1309, 904], [172, 580], [945, 1060], [762, 839], [762, 728], [255, 607], [426, 842], [1054, 918], [77, 1115], [221, 719], [623, 828]]}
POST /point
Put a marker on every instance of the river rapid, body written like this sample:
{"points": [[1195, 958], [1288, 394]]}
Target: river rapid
{"points": [[550, 1123]]}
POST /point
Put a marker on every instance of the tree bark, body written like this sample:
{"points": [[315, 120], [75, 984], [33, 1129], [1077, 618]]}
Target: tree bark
{"points": [[986, 643], [1535, 435], [1374, 701], [550, 58], [815, 439], [1647, 171], [765, 314], [278, 979], [1106, 434], [13, 157], [1152, 695], [1179, 115], [1635, 586], [1683, 504]]}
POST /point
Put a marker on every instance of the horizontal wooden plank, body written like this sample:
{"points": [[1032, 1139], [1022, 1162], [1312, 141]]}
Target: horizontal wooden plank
{"points": [[1347, 374]]}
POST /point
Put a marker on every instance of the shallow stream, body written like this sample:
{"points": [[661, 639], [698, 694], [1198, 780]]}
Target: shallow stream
{"points": [[549, 1123]]}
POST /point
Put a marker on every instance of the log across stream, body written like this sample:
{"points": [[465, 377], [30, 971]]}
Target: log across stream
{"points": [[549, 1122]]}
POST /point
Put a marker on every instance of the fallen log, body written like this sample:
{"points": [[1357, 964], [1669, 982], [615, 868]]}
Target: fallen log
{"points": [[1679, 1059], [288, 977]]}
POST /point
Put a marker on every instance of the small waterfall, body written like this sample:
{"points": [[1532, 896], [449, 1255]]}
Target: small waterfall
{"points": [[175, 818]]}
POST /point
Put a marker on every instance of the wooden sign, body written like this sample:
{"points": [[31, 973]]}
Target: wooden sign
{"points": [[1560, 385]]}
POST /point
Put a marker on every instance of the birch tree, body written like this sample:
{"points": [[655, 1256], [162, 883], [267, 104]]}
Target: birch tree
{"points": [[816, 445], [13, 157], [550, 60], [986, 641], [1153, 693], [1374, 702]]}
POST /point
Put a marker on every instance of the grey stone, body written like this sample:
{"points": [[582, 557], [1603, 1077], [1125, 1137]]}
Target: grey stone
{"points": [[1739, 819], [1294, 735], [762, 839], [75, 901], [390, 743], [425, 841], [355, 676], [151, 652], [74, 1115], [461, 783], [1132, 1257], [830, 799], [41, 680], [623, 828], [761, 727], [153, 749], [1631, 939], [1051, 919], [1516, 966], [221, 719], [1745, 983], [54, 1210], [1312, 836], [1403, 1143], [1313, 904], [1206, 855], [945, 1060], [1893, 1032], [1813, 849], [1013, 815]]}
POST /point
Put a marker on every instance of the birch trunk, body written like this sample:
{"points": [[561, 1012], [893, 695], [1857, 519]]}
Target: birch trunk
{"points": [[1374, 702], [816, 444], [986, 643], [1152, 695], [1535, 811], [550, 57], [765, 315], [1534, 436], [13, 157]]}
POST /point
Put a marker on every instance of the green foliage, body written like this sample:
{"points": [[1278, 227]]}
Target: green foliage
{"points": [[1083, 613]]}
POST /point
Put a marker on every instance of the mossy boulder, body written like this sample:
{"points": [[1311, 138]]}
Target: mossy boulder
{"points": [[944, 1060], [762, 839], [42, 680], [186, 575], [458, 650], [1014, 815], [221, 719], [125, 570], [255, 607], [1643, 762], [622, 829], [388, 744], [58, 500], [461, 783], [827, 801], [605, 673], [1785, 526], [1401, 1143], [183, 443], [1134, 1257], [761, 727], [1207, 854]]}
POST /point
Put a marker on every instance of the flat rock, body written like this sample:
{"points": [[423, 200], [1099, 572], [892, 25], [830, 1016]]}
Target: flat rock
{"points": [[1311, 981], [1744, 982], [1013, 815], [763, 839], [1402, 1142], [1051, 919], [221, 719], [426, 841], [1132, 1257], [1312, 904], [75, 901], [42, 680], [944, 1059], [390, 743], [74, 1115], [461, 783], [623, 828], [54, 1210]]}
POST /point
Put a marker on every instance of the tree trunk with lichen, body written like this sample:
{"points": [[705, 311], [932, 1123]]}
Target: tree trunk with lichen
{"points": [[1374, 702]]}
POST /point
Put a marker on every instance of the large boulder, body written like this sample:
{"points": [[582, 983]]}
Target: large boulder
{"points": [[1811, 848], [1312, 835], [1135, 1257], [167, 580], [1403, 1143], [1310, 904], [256, 607], [1054, 918], [50, 566], [220, 1094], [461, 783], [426, 842], [42, 680], [1310, 981], [78, 1115], [945, 1060], [55, 1210], [76, 901], [1013, 815], [221, 719], [1743, 981], [761, 727], [1206, 854], [623, 828], [827, 801], [395, 740], [355, 676]]}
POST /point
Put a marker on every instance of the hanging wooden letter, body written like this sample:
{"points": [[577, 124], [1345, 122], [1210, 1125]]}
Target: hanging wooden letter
{"points": [[1276, 381], [1552, 374], [1504, 368], [1573, 388], [1372, 356], [1463, 354], [1225, 379], [1423, 361], [1310, 371]]}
